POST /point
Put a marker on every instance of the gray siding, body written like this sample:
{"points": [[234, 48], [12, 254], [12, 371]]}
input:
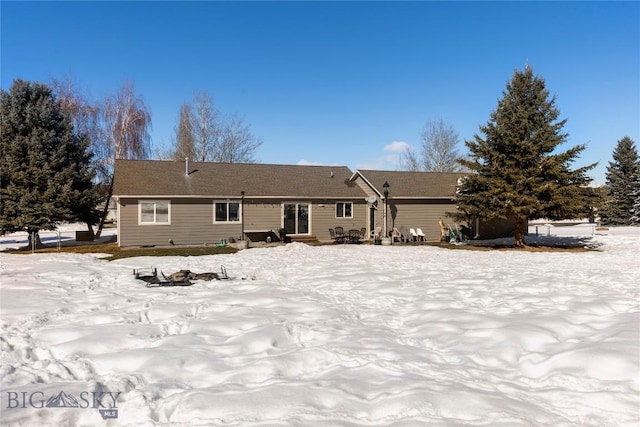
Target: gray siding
{"points": [[264, 215], [416, 214], [191, 224], [324, 218], [192, 221]]}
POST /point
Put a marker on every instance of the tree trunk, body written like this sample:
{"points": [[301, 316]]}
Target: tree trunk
{"points": [[34, 237], [520, 223], [105, 211], [90, 230]]}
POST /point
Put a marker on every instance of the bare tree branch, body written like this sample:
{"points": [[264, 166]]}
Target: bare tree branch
{"points": [[409, 160], [439, 153], [126, 121], [204, 134]]}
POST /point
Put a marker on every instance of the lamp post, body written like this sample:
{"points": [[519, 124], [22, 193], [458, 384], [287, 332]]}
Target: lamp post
{"points": [[242, 214], [386, 197]]}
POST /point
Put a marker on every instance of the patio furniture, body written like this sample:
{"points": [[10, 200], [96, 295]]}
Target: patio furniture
{"points": [[414, 235], [340, 234], [404, 234], [151, 277], [335, 237], [353, 236], [181, 278], [395, 235], [376, 233], [421, 235]]}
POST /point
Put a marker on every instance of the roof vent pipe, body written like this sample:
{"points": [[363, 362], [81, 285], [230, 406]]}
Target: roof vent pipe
{"points": [[186, 166]]}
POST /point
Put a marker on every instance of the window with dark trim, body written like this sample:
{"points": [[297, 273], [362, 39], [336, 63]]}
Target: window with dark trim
{"points": [[226, 212], [344, 210]]}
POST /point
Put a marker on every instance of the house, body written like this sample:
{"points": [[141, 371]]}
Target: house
{"points": [[204, 203], [421, 200], [189, 203], [415, 199]]}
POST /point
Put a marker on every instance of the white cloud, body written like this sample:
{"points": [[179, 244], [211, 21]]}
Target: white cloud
{"points": [[397, 147], [304, 162]]}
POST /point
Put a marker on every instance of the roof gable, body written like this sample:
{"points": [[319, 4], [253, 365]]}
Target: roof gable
{"points": [[412, 185]]}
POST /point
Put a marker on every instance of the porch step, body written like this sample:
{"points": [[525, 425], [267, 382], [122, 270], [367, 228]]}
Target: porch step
{"points": [[310, 240]]}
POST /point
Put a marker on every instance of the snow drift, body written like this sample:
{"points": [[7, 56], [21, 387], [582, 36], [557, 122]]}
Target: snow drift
{"points": [[328, 336]]}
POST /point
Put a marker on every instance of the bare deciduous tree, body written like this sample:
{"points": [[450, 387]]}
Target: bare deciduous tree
{"points": [[237, 143], [206, 126], [438, 152], [204, 134], [85, 116], [185, 143], [409, 160], [126, 122]]}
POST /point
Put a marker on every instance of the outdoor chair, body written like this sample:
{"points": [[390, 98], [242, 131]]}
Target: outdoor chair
{"points": [[404, 234], [395, 235], [376, 233], [340, 235], [332, 233], [421, 235], [414, 235]]}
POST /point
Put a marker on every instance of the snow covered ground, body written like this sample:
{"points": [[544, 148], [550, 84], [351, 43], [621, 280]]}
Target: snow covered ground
{"points": [[348, 335]]}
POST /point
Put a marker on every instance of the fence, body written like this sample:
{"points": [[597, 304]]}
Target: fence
{"points": [[563, 230], [21, 239]]}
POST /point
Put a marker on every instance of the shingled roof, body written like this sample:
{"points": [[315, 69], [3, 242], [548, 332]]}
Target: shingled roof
{"points": [[413, 185], [169, 178]]}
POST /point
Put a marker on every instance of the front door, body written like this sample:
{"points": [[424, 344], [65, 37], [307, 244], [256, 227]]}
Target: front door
{"points": [[296, 218], [372, 220]]}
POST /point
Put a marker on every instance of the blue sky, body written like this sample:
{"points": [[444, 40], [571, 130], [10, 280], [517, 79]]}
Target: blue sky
{"points": [[344, 83]]}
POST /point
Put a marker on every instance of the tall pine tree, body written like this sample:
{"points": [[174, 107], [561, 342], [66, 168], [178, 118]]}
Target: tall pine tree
{"points": [[622, 186], [517, 172], [45, 177]]}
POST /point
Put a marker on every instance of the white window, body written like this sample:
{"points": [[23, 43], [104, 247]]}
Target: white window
{"points": [[226, 212], [155, 212], [344, 210]]}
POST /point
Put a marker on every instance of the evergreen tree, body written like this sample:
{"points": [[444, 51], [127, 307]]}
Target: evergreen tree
{"points": [[45, 176], [623, 185], [516, 171], [635, 217]]}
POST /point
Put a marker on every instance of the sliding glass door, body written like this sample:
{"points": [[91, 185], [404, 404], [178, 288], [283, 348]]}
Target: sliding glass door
{"points": [[295, 218]]}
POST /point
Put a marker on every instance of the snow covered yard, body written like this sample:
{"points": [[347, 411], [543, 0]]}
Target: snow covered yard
{"points": [[349, 335]]}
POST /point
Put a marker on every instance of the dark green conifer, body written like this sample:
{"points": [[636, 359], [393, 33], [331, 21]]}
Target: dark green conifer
{"points": [[623, 186], [45, 177], [517, 172]]}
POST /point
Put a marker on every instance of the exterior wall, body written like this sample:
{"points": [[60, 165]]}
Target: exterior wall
{"points": [[365, 187], [192, 221], [262, 215], [324, 217], [416, 214], [191, 224]]}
